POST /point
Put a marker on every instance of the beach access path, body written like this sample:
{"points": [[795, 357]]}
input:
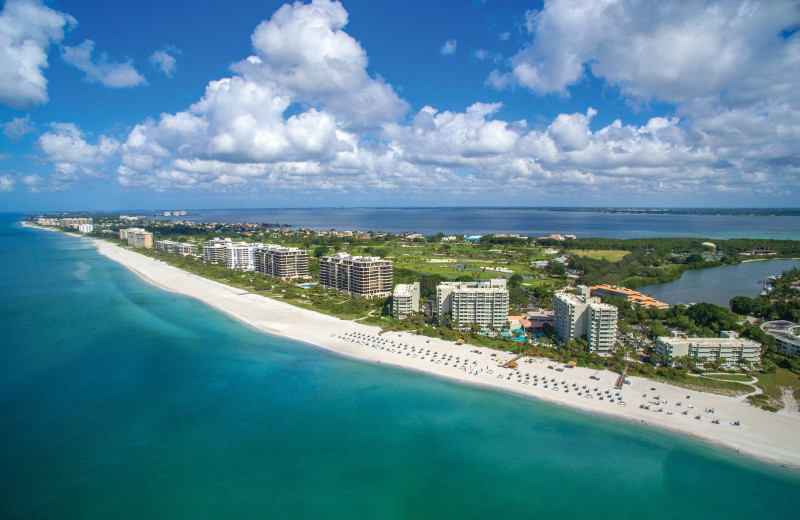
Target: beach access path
{"points": [[767, 436]]}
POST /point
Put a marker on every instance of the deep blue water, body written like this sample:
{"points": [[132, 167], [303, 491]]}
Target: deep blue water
{"points": [[119, 400], [527, 222]]}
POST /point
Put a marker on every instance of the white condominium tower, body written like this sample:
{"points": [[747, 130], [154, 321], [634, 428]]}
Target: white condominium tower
{"points": [[484, 302], [580, 314], [281, 262], [235, 255], [367, 276], [405, 299]]}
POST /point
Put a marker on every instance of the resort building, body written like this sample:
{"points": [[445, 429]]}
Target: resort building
{"points": [[234, 255], [85, 228], [365, 276], [214, 250], [786, 334], [44, 221], [628, 294], [281, 262], [73, 223], [405, 299], [137, 237], [578, 315], [177, 248], [484, 303], [728, 349]]}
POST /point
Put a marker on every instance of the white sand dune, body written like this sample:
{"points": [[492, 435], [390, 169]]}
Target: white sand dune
{"points": [[768, 436]]}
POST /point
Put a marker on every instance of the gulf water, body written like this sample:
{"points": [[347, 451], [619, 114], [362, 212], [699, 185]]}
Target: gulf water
{"points": [[119, 400]]}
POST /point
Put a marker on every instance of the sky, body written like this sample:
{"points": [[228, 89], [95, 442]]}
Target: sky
{"points": [[254, 103]]}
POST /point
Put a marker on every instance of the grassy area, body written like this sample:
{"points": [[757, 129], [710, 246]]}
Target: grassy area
{"points": [[731, 377], [715, 386], [772, 398], [612, 255]]}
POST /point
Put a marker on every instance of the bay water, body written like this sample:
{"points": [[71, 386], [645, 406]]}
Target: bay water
{"points": [[525, 221], [119, 400], [718, 285]]}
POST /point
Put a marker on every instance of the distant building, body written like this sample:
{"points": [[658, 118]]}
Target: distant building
{"points": [[177, 248], [786, 334], [473, 238], [43, 221], [85, 228], [405, 299], [484, 303], [628, 294], [73, 223], [281, 262], [578, 315], [728, 346], [365, 276], [137, 237]]}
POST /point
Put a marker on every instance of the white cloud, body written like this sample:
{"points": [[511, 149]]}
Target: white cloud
{"points": [[102, 70], [449, 47], [303, 115], [303, 50], [65, 144], [33, 182], [164, 61], [673, 52], [27, 29], [18, 127], [6, 183]]}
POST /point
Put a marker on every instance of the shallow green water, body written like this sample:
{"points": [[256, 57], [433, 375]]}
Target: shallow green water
{"points": [[122, 401]]}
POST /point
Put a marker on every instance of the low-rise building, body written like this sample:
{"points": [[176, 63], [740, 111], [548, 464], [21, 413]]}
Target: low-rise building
{"points": [[629, 294], [44, 221], [177, 248], [786, 334], [728, 349], [484, 303], [364, 276], [405, 299], [286, 263], [85, 228]]}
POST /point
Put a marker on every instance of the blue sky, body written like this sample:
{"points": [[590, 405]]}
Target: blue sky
{"points": [[113, 105]]}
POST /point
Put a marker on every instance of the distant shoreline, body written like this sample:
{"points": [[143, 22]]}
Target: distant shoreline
{"points": [[767, 436]]}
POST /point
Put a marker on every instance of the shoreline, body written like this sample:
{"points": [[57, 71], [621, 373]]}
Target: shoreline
{"points": [[771, 437]]}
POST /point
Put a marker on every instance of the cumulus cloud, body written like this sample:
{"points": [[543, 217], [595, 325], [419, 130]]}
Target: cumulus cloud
{"points": [[302, 114], [66, 144], [6, 183], [164, 60], [27, 30], [101, 69], [449, 47], [18, 127], [672, 51], [304, 50]]}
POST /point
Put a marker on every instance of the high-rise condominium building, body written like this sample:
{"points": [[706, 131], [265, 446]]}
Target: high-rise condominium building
{"points": [[484, 302], [405, 299], [74, 222], [366, 276], [281, 262], [234, 255], [580, 314], [137, 237]]}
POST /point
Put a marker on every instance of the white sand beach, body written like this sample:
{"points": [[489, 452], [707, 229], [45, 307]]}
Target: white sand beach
{"points": [[773, 437]]}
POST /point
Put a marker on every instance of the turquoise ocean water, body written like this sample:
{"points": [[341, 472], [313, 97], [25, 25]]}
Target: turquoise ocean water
{"points": [[118, 400]]}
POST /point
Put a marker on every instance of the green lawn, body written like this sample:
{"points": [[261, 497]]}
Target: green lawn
{"points": [[731, 377], [702, 384], [612, 255], [772, 399]]}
